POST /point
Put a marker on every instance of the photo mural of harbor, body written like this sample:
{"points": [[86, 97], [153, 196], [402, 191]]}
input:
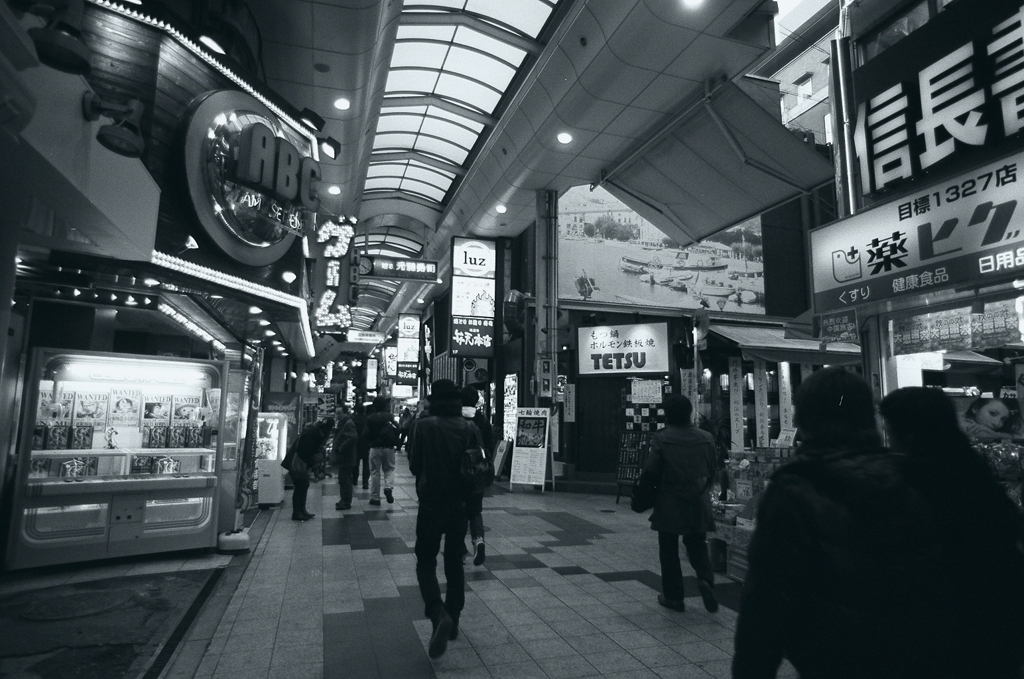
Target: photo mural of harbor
{"points": [[608, 253]]}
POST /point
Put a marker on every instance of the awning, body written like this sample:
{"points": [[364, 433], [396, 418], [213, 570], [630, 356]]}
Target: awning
{"points": [[770, 344], [971, 358], [726, 161]]}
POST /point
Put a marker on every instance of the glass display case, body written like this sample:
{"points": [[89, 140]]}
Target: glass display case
{"points": [[271, 447], [118, 455]]}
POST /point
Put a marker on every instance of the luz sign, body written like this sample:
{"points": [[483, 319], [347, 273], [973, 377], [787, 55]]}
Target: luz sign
{"points": [[623, 349]]}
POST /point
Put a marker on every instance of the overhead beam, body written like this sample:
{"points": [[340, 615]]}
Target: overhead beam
{"points": [[473, 22], [441, 103]]}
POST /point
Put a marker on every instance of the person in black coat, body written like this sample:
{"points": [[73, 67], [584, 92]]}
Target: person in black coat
{"points": [[475, 503], [683, 462], [345, 455], [846, 577], [306, 448], [362, 447], [980, 526]]}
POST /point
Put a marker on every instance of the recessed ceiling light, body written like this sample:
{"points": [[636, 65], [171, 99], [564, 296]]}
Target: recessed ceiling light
{"points": [[421, 301], [18, 260], [255, 310], [264, 322], [212, 44], [151, 282], [692, 4], [276, 343], [269, 333], [334, 190], [216, 296], [564, 137], [501, 209], [342, 104], [288, 277]]}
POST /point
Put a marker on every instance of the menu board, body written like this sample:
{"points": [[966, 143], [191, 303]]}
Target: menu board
{"points": [[530, 456], [646, 391], [631, 447]]}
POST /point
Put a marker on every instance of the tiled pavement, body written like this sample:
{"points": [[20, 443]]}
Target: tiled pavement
{"points": [[569, 589]]}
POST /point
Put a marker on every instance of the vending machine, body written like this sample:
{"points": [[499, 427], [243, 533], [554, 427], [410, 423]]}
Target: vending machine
{"points": [[117, 455], [271, 446]]}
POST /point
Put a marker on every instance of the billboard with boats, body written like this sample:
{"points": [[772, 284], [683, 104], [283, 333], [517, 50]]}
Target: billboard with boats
{"points": [[609, 254]]}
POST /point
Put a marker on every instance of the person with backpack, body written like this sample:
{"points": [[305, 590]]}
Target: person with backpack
{"points": [[437, 453], [362, 447], [344, 452], [474, 505], [846, 576], [381, 434], [980, 527]]}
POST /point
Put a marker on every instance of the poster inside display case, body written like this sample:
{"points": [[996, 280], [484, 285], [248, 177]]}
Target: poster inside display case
{"points": [[119, 455]]}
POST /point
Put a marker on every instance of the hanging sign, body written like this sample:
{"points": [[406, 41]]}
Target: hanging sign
{"points": [[530, 454], [969, 229], [762, 415], [569, 402], [408, 373], [785, 397], [688, 385], [397, 268], [334, 276], [736, 403], [371, 374], [840, 326], [623, 349]]}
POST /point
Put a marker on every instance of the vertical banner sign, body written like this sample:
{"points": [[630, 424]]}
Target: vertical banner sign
{"points": [[473, 295], [530, 455], [371, 374], [390, 361], [762, 416], [569, 403], [688, 385], [409, 339], [333, 275], [785, 397], [736, 403]]}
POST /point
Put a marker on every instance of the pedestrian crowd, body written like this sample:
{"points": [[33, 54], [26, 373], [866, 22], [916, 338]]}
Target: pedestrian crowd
{"points": [[866, 562]]}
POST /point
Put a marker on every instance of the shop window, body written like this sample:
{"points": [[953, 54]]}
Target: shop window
{"points": [[884, 38]]}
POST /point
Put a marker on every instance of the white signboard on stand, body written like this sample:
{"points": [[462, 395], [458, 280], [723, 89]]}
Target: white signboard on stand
{"points": [[530, 454]]}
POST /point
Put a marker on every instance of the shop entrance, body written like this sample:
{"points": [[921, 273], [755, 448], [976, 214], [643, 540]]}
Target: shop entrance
{"points": [[599, 421]]}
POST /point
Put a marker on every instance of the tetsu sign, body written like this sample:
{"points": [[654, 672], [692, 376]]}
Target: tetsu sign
{"points": [[623, 349]]}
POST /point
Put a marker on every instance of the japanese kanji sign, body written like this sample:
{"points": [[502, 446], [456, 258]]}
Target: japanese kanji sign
{"points": [[958, 329], [397, 268], [623, 349], [840, 326], [473, 297], [945, 97], [966, 229]]}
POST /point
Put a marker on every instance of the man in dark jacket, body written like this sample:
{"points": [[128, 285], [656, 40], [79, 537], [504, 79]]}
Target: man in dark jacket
{"points": [[345, 455], [683, 463], [435, 455], [846, 577], [306, 449], [475, 502], [362, 447], [381, 434]]}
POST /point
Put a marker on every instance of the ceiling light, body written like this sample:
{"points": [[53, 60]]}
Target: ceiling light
{"points": [[255, 310], [310, 117], [264, 322], [147, 300], [500, 209], [334, 190], [693, 4], [131, 301], [421, 301], [123, 136], [76, 292], [564, 137], [293, 375], [276, 343], [17, 260], [330, 146], [113, 298], [59, 44], [342, 104], [212, 44], [150, 282], [288, 277], [269, 333], [216, 296]]}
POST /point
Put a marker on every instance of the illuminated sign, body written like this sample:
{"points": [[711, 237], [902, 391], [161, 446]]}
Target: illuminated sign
{"points": [[409, 339], [964, 230], [623, 349], [391, 361], [371, 374], [948, 95], [334, 277], [397, 268], [251, 180], [364, 337], [473, 297], [407, 373]]}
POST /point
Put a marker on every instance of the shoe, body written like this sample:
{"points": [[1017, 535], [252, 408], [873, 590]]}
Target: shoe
{"points": [[439, 639], [454, 634], [389, 495], [299, 517], [671, 603], [376, 503], [707, 593], [478, 558], [341, 507], [308, 515]]}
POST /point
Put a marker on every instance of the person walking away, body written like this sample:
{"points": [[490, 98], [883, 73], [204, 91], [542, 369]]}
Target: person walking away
{"points": [[405, 421], [362, 447], [683, 462], [979, 524], [306, 448], [381, 433], [435, 456], [845, 574], [475, 502], [345, 455]]}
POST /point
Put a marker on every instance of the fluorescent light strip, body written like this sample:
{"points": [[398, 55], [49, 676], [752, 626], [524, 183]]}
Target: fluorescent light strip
{"points": [[236, 283], [190, 325], [203, 54]]}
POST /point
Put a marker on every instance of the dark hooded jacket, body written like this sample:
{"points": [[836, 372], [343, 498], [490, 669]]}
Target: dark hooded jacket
{"points": [[683, 460], [436, 446], [845, 575]]}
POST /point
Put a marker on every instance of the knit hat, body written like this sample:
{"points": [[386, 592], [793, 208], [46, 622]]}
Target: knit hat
{"points": [[443, 389]]}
